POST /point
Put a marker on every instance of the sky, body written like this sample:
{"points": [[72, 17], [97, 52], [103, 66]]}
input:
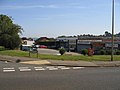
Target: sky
{"points": [[52, 18]]}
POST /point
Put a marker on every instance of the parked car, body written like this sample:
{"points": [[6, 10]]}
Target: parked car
{"points": [[25, 47], [43, 46]]}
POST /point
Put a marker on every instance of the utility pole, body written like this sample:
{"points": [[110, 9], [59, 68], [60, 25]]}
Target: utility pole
{"points": [[113, 13]]}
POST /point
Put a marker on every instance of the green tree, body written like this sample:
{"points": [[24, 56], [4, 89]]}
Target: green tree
{"points": [[9, 33], [107, 34]]}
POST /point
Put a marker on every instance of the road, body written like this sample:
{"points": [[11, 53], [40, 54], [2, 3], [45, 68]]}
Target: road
{"points": [[53, 52], [48, 51], [89, 78]]}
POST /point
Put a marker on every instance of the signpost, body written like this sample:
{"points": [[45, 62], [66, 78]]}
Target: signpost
{"points": [[33, 50], [113, 12]]}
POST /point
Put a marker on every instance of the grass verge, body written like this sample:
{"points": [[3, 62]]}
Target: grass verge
{"points": [[63, 57]]}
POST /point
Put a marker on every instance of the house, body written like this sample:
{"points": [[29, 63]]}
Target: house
{"points": [[89, 43], [26, 44], [69, 43], [48, 42]]}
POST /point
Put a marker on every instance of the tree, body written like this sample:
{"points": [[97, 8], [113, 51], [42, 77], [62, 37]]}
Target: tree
{"points": [[107, 34], [9, 33], [63, 36], [118, 35]]}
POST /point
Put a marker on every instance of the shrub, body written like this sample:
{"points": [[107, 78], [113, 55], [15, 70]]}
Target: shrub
{"points": [[108, 52], [18, 60], [62, 51], [102, 52], [117, 52], [2, 48], [84, 52]]}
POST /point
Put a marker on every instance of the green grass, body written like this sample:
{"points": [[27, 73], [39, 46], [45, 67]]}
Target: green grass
{"points": [[56, 57], [14, 53]]}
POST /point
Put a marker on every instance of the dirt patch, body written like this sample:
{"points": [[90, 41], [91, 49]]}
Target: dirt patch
{"points": [[36, 62]]}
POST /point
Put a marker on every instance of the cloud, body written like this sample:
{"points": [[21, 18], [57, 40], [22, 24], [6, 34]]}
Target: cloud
{"points": [[52, 6], [28, 7], [55, 16], [75, 5], [42, 18], [80, 7]]}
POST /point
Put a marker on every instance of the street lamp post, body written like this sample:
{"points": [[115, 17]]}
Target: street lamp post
{"points": [[113, 12]]}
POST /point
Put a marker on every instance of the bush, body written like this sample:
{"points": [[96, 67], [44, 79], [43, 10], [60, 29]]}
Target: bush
{"points": [[108, 52], [2, 48], [18, 60], [84, 52], [102, 52], [117, 52], [62, 51]]}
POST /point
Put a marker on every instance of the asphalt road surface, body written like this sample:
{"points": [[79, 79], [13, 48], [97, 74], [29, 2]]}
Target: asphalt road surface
{"points": [[69, 79], [48, 51], [53, 52]]}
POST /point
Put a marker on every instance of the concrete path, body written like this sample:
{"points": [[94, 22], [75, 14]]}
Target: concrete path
{"points": [[72, 63]]}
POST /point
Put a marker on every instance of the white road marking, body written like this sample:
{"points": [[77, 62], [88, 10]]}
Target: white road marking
{"points": [[53, 68], [39, 69], [61, 66], [50, 67], [8, 70], [78, 67], [25, 69], [66, 68]]}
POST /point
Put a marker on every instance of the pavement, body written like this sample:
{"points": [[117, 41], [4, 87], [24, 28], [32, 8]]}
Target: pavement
{"points": [[28, 60]]}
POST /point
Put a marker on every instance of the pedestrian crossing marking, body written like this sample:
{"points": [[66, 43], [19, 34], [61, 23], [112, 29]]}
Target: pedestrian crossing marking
{"points": [[53, 68], [25, 69], [65, 68], [78, 67], [42, 68], [39, 69], [8, 70]]}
